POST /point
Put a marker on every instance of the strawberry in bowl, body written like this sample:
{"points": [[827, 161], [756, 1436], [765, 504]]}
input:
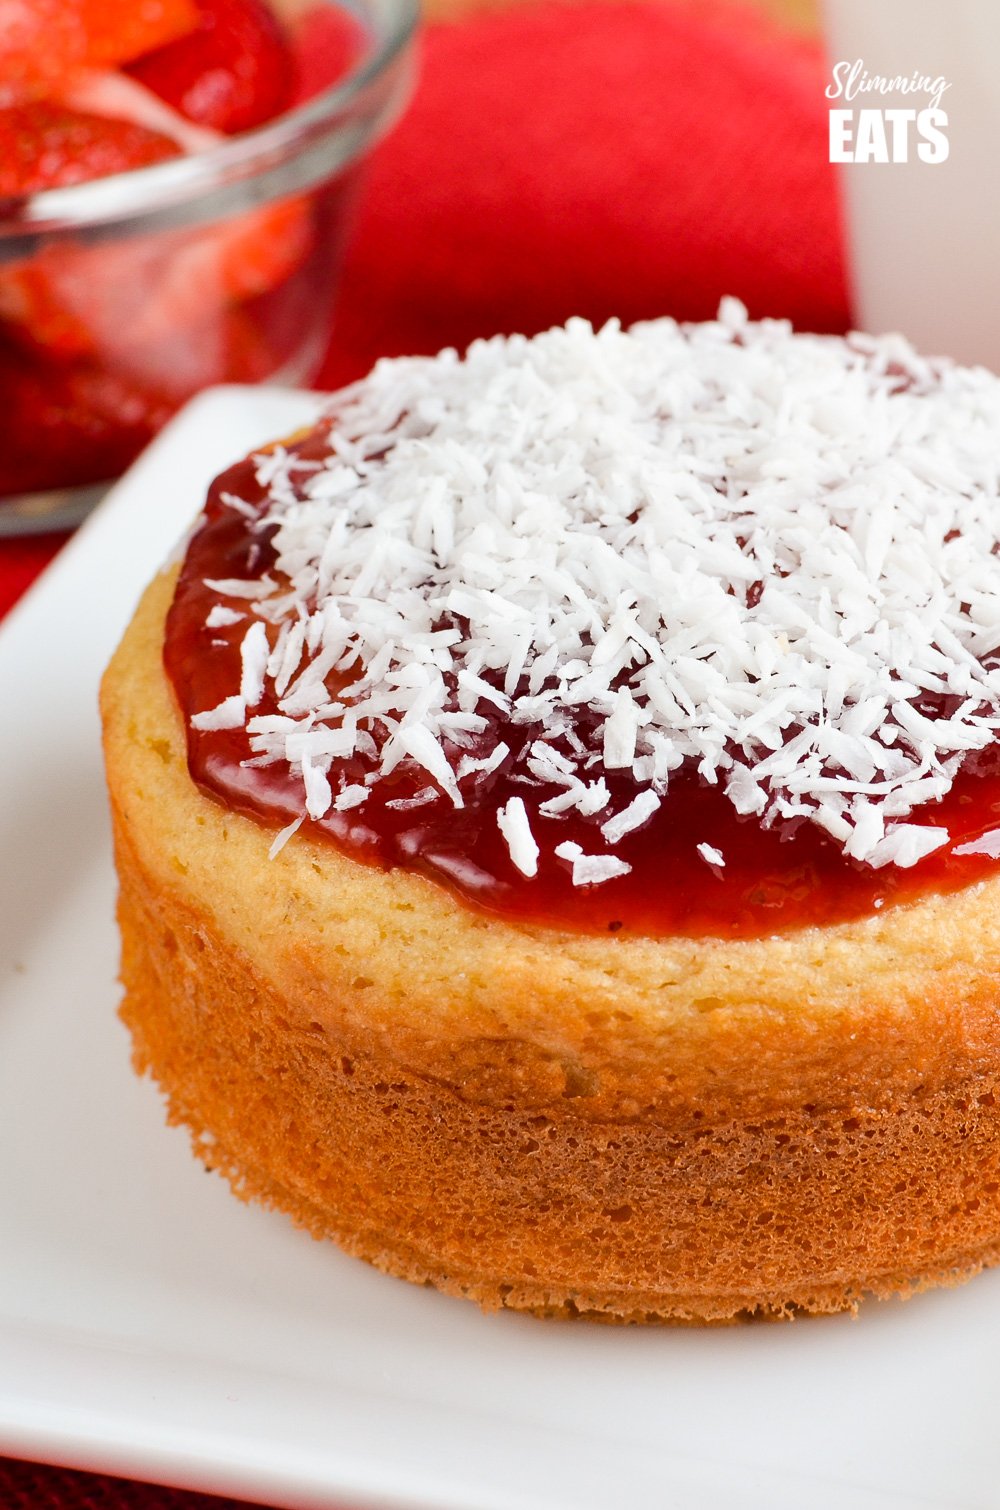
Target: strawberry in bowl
{"points": [[175, 182]]}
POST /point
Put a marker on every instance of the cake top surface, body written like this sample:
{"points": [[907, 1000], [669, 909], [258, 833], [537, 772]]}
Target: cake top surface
{"points": [[768, 557]]}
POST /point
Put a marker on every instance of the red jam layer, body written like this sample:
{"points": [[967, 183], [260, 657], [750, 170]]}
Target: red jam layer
{"points": [[774, 880]]}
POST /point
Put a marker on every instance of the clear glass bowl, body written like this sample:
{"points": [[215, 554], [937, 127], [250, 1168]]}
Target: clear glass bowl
{"points": [[123, 296]]}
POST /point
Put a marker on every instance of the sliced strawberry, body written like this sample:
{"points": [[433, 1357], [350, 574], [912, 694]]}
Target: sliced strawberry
{"points": [[240, 258], [76, 422], [123, 297], [328, 42], [44, 145], [182, 361], [43, 42], [35, 311], [70, 425], [234, 72]]}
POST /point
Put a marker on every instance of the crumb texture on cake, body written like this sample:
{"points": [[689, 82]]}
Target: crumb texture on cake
{"points": [[634, 1128]]}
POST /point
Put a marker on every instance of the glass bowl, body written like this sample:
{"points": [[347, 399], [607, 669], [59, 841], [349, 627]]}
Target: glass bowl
{"points": [[123, 296]]}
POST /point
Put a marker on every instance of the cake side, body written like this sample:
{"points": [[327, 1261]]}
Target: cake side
{"points": [[556, 814], [686, 1128]]}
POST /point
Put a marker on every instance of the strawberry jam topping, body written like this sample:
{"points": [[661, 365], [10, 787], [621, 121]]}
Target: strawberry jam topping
{"points": [[774, 879]]}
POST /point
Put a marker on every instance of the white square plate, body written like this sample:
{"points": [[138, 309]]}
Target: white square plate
{"points": [[152, 1325]]}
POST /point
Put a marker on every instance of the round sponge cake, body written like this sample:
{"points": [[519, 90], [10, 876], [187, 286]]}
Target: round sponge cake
{"points": [[622, 1123]]}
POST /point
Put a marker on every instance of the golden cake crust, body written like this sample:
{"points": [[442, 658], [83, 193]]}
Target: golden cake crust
{"points": [[637, 1128]]}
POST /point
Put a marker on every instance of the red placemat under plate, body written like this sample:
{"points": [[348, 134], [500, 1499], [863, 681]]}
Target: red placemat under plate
{"points": [[36, 1486]]}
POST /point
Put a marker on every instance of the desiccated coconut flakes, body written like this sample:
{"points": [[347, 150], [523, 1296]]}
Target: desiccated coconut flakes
{"points": [[512, 820], [220, 617], [638, 812], [591, 870], [283, 835], [231, 713], [769, 557], [254, 654]]}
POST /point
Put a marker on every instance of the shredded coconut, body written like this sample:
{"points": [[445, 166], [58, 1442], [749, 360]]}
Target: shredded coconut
{"points": [[254, 654], [638, 812], [514, 825], [231, 713], [769, 558], [283, 835], [591, 870], [220, 617], [350, 796]]}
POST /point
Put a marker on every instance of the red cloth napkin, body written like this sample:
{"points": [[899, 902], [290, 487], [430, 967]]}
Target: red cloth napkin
{"points": [[612, 159], [30, 1486], [605, 159]]}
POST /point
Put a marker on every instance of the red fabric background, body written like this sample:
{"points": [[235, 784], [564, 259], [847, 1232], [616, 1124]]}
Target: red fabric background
{"points": [[606, 159]]}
